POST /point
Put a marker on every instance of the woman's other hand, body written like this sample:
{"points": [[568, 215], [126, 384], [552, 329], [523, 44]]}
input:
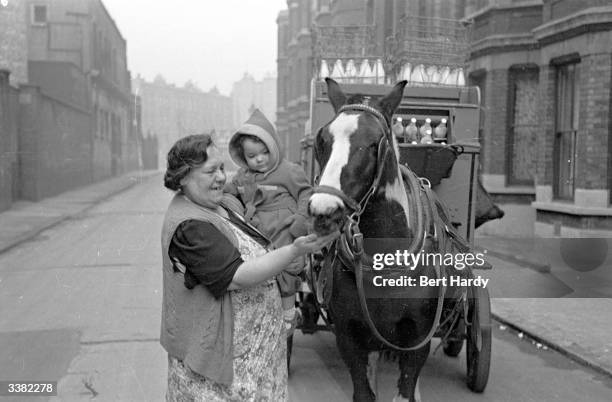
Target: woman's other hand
{"points": [[312, 242]]}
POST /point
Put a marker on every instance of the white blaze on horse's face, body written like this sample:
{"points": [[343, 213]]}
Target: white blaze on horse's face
{"points": [[341, 130]]}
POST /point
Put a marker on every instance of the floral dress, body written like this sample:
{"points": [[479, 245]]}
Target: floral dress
{"points": [[260, 348]]}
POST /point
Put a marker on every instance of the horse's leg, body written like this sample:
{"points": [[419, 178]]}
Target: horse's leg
{"points": [[411, 364], [356, 358]]}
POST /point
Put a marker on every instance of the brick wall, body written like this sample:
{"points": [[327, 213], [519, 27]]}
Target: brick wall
{"points": [[494, 131], [9, 170], [556, 9], [594, 121], [503, 21], [55, 148]]}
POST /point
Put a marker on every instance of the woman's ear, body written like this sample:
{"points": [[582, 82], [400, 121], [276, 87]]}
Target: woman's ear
{"points": [[183, 182]]}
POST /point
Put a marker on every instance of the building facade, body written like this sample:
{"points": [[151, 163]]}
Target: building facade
{"points": [[64, 35], [13, 72], [170, 112], [544, 70], [295, 67], [67, 110], [14, 41], [249, 93]]}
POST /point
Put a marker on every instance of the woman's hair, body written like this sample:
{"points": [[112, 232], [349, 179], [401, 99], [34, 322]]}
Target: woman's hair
{"points": [[187, 153]]}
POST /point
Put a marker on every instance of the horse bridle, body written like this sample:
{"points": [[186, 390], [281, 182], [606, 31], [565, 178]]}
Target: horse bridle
{"points": [[352, 237], [351, 240]]}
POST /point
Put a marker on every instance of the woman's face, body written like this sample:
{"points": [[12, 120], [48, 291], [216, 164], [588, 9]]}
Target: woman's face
{"points": [[204, 184]]}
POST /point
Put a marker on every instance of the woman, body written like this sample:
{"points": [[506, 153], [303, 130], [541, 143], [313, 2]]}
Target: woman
{"points": [[221, 316]]}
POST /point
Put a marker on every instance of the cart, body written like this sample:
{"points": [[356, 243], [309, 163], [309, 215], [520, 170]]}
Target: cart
{"points": [[449, 163]]}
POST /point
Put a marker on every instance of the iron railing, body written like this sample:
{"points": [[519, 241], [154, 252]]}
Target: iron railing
{"points": [[348, 53]]}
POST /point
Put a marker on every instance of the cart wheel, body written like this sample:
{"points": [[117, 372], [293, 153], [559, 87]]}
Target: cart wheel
{"points": [[453, 347], [478, 343], [289, 350]]}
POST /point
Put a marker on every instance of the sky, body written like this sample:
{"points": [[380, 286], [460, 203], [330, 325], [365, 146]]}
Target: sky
{"points": [[211, 42]]}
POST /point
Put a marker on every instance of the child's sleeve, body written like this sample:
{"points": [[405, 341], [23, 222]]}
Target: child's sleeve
{"points": [[301, 190], [299, 187]]}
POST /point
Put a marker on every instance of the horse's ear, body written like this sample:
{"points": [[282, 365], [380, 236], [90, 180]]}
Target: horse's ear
{"points": [[335, 94], [391, 101]]}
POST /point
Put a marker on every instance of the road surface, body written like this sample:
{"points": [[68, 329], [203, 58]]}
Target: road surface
{"points": [[81, 304]]}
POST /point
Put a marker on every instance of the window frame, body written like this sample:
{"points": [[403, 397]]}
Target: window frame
{"points": [[566, 127], [33, 20]]}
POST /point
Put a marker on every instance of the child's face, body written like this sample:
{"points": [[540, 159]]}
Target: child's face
{"points": [[256, 155]]}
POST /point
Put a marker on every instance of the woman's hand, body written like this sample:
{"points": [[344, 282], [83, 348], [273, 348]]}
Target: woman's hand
{"points": [[311, 243], [256, 270]]}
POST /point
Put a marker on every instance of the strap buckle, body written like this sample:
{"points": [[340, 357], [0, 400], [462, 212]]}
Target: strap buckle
{"points": [[425, 182]]}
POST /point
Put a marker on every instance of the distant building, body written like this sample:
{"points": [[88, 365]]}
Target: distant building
{"points": [[249, 93], [295, 66], [170, 112], [14, 41]]}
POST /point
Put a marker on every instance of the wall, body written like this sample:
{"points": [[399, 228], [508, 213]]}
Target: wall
{"points": [[9, 163], [55, 145], [13, 41]]}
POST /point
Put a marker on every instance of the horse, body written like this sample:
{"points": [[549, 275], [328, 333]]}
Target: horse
{"points": [[362, 193]]}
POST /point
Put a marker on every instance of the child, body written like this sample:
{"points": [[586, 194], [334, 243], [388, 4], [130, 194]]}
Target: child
{"points": [[275, 193]]}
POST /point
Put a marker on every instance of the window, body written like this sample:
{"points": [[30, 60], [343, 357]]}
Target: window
{"points": [[523, 124], [566, 127], [39, 14]]}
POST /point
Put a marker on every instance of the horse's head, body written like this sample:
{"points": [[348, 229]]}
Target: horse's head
{"points": [[351, 151]]}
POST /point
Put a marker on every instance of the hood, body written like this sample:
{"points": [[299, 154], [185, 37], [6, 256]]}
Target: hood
{"points": [[259, 126]]}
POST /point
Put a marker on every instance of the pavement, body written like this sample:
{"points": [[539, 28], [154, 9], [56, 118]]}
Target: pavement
{"points": [[566, 308], [26, 219], [577, 324]]}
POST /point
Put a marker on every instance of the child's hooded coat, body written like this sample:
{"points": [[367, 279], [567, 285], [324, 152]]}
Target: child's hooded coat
{"points": [[276, 201]]}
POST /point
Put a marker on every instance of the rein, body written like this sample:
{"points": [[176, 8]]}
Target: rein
{"points": [[349, 247]]}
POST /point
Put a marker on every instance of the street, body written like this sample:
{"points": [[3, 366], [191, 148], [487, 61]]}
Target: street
{"points": [[81, 304]]}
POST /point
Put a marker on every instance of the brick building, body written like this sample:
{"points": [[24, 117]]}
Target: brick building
{"points": [[544, 71], [13, 72], [295, 43], [249, 93], [14, 41], [64, 34], [67, 114], [170, 112]]}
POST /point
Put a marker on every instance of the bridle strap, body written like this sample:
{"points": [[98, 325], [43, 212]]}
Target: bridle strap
{"points": [[365, 108], [348, 201], [383, 150], [353, 225]]}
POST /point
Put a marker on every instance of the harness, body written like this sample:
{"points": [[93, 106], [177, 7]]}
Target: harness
{"points": [[348, 248]]}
